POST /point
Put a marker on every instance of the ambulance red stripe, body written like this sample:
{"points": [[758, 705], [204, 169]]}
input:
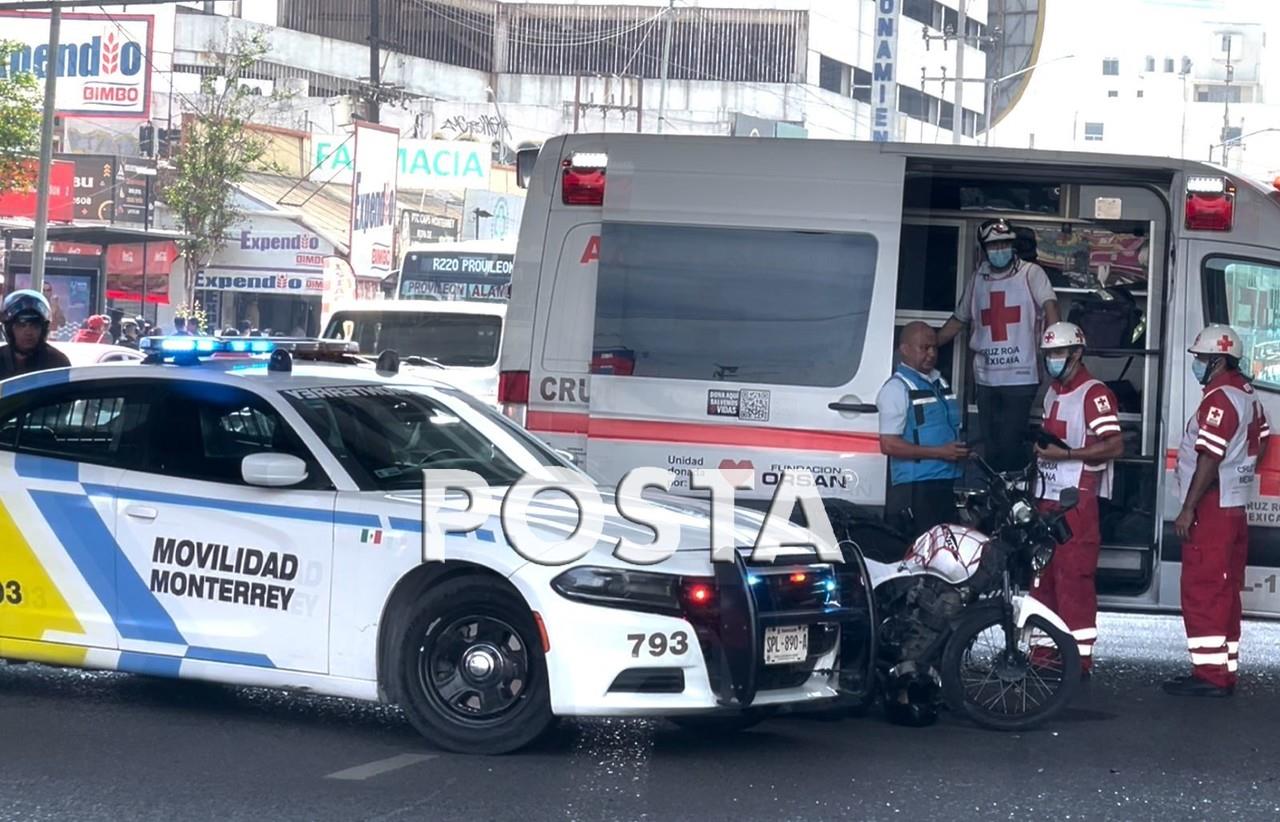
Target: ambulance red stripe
{"points": [[558, 422]]}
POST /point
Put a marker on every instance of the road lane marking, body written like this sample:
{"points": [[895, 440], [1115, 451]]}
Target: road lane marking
{"points": [[380, 766]]}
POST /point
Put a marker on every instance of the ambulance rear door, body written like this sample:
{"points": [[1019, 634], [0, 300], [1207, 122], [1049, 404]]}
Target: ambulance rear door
{"points": [[744, 311], [1234, 278]]}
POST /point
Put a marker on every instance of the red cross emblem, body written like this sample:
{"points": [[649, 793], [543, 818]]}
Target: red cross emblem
{"points": [[998, 317], [1055, 426], [1224, 344]]}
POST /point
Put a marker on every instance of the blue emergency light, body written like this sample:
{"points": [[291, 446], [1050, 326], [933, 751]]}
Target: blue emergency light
{"points": [[191, 349]]}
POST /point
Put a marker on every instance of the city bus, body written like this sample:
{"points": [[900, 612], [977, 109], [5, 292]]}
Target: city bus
{"points": [[473, 270]]}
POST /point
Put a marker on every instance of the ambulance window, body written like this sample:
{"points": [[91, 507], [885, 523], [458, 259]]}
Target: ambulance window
{"points": [[1245, 294], [749, 305]]}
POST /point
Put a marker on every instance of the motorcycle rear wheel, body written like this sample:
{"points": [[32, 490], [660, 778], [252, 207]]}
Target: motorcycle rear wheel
{"points": [[982, 681]]}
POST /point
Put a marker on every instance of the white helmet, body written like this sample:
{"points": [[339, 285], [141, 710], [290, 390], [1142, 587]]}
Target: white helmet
{"points": [[1218, 339], [1061, 335], [995, 231]]}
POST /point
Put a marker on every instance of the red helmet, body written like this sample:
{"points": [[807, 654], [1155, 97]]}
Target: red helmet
{"points": [[97, 323]]}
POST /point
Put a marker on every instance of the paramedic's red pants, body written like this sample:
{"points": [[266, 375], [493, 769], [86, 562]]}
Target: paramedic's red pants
{"points": [[1214, 556], [1067, 584]]}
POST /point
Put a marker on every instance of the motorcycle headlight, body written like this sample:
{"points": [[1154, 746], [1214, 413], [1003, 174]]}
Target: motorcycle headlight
{"points": [[635, 590], [1022, 512]]}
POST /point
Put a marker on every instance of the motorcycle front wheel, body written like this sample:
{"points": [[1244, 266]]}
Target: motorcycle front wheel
{"points": [[1009, 691]]}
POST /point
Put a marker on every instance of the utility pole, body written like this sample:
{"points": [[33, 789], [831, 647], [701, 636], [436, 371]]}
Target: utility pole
{"points": [[666, 61], [957, 117], [41, 236], [1226, 103], [375, 58]]}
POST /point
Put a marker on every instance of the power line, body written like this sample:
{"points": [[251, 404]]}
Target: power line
{"points": [[49, 5]]}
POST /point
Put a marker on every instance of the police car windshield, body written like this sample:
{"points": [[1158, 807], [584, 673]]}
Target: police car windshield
{"points": [[449, 339], [386, 435]]}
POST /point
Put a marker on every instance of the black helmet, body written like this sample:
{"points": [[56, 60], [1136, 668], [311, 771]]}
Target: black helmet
{"points": [[25, 305]]}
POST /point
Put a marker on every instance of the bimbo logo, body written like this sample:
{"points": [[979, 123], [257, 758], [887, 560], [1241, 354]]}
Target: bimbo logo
{"points": [[112, 56]]}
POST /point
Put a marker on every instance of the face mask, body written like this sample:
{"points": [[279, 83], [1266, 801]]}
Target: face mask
{"points": [[1200, 369], [1055, 366], [1001, 258]]}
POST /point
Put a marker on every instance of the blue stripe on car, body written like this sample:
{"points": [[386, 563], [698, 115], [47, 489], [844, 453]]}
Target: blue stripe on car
{"points": [[135, 611], [239, 507], [33, 467], [135, 662], [231, 657]]}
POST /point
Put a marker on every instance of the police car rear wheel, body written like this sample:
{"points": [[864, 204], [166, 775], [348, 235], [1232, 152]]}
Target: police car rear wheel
{"points": [[473, 672]]}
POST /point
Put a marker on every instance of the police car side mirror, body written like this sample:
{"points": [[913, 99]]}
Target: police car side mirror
{"points": [[273, 470]]}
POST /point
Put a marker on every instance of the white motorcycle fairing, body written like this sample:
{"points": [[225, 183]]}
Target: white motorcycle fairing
{"points": [[1025, 607], [949, 552]]}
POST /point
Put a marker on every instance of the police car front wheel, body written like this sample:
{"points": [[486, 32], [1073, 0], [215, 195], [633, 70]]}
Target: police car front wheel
{"points": [[473, 674]]}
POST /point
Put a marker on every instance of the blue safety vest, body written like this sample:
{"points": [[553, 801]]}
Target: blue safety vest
{"points": [[931, 420]]}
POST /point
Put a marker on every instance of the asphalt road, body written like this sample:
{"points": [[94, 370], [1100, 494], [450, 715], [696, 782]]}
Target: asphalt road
{"points": [[113, 746]]}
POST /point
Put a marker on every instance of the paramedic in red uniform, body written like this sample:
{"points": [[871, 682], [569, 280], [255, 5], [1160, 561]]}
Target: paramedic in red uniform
{"points": [[1217, 462], [1081, 411], [1006, 302]]}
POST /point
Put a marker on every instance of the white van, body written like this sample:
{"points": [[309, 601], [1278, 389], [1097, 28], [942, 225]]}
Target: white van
{"points": [[456, 342], [725, 302]]}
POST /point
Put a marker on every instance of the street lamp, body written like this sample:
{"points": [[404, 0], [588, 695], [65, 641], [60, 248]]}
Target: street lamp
{"points": [[990, 89], [480, 212]]}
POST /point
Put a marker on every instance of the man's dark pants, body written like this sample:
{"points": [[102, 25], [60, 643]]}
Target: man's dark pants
{"points": [[1004, 414], [930, 503]]}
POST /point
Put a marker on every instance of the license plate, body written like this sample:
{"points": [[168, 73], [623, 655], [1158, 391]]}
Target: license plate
{"points": [[784, 645]]}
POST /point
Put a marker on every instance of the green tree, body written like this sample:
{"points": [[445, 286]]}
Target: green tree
{"points": [[219, 148], [20, 116]]}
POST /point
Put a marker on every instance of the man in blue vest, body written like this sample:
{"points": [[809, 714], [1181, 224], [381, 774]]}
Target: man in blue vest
{"points": [[919, 421]]}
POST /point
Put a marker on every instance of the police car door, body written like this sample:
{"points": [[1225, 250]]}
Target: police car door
{"points": [[1240, 286], [63, 448], [751, 285], [234, 572]]}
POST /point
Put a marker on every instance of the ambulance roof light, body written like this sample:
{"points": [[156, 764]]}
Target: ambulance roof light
{"points": [[1206, 185], [1211, 204], [582, 178]]}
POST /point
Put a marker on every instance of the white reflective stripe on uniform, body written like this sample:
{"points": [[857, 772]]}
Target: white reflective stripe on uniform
{"points": [[924, 401], [1085, 650], [1085, 633], [1233, 647], [1209, 659], [1232, 666], [1210, 447], [1104, 420], [1194, 642], [1213, 438]]}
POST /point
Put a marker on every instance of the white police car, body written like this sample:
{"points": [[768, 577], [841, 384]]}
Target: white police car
{"points": [[260, 523]]}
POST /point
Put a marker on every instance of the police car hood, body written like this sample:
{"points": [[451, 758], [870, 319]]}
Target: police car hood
{"points": [[554, 518]]}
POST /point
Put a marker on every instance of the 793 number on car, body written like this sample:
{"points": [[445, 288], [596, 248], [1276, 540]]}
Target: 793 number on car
{"points": [[659, 644]]}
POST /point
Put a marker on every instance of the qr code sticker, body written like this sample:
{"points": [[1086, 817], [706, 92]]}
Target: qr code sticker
{"points": [[753, 405]]}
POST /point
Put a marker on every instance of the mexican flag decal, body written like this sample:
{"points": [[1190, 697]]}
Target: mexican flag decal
{"points": [[371, 535]]}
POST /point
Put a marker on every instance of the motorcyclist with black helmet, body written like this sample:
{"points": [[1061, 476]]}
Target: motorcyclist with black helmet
{"points": [[25, 317]]}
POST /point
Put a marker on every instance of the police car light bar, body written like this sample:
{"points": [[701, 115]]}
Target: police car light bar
{"points": [[172, 347]]}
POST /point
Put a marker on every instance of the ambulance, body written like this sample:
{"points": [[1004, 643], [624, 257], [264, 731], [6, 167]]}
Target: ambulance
{"points": [[705, 302]]}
